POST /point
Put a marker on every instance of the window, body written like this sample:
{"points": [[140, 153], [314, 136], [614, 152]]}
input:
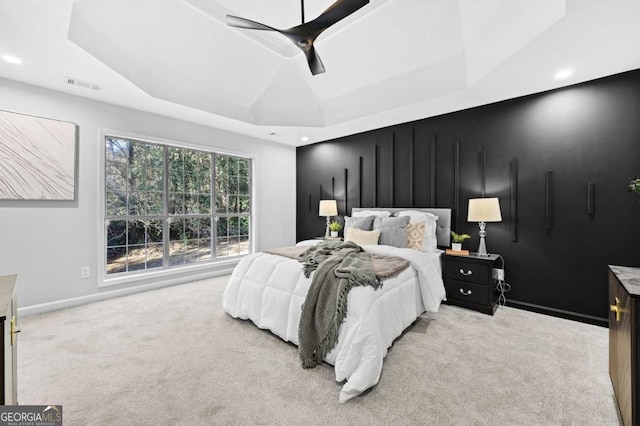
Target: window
{"points": [[232, 191], [168, 206]]}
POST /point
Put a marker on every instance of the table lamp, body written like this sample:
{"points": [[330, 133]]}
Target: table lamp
{"points": [[483, 210], [328, 208]]}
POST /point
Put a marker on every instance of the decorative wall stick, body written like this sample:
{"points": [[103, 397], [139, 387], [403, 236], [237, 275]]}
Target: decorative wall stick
{"points": [[346, 193], [333, 188], [361, 179], [411, 177], [549, 199], [393, 169], [591, 198], [433, 171], [482, 157], [375, 175], [513, 172], [456, 184]]}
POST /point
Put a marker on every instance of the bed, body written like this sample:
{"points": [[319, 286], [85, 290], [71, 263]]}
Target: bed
{"points": [[269, 290]]}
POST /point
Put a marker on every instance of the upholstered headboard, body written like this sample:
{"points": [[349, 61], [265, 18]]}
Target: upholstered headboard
{"points": [[443, 229]]}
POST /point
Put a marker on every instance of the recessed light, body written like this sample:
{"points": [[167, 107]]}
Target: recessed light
{"points": [[305, 139], [12, 59], [564, 73]]}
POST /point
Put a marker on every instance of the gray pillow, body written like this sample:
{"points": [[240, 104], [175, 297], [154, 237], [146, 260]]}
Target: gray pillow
{"points": [[393, 230], [364, 223]]}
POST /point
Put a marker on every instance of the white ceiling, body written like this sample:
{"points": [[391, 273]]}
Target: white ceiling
{"points": [[390, 62]]}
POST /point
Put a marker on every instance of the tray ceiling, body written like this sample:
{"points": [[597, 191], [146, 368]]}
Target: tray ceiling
{"points": [[391, 61]]}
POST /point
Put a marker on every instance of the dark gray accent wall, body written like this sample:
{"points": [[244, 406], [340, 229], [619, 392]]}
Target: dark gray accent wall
{"points": [[549, 150]]}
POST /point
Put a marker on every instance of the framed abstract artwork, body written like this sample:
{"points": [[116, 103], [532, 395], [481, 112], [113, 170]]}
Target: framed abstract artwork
{"points": [[37, 158]]}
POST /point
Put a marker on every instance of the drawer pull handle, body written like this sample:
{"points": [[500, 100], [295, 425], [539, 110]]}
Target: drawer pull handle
{"points": [[14, 329], [467, 293], [466, 274], [616, 308]]}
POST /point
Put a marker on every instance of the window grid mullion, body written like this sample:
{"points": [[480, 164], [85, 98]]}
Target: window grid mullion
{"points": [[165, 209], [214, 209], [190, 195]]}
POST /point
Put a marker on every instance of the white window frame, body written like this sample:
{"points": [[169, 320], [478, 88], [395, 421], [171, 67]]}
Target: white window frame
{"points": [[105, 280]]}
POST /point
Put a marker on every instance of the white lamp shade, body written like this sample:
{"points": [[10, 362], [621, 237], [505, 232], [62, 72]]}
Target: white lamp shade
{"points": [[328, 208], [484, 210]]}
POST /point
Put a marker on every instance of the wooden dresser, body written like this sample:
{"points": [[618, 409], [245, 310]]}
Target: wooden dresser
{"points": [[8, 355], [624, 299]]}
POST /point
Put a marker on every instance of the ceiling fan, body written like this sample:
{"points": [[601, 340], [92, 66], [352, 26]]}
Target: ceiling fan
{"points": [[305, 34]]}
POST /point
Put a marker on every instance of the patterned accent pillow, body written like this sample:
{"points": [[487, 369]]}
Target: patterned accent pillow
{"points": [[415, 235], [430, 242], [393, 230]]}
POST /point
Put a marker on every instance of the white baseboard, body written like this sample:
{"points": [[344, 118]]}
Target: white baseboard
{"points": [[83, 300]]}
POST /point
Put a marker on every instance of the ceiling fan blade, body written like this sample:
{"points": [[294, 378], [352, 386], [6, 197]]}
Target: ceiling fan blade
{"points": [[235, 21], [304, 35], [338, 11], [315, 63]]}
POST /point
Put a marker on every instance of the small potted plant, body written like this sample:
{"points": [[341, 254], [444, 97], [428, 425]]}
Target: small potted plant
{"points": [[335, 227], [634, 185], [457, 240]]}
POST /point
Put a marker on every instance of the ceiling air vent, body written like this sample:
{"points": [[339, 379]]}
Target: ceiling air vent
{"points": [[85, 84]]}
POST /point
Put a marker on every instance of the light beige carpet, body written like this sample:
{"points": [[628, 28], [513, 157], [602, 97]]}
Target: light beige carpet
{"points": [[173, 357]]}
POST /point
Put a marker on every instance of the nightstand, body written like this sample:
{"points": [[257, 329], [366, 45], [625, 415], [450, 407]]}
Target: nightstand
{"points": [[469, 281]]}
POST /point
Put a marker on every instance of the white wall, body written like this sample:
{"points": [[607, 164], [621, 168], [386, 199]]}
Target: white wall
{"points": [[46, 243]]}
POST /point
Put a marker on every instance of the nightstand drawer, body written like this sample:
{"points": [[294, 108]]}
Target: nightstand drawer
{"points": [[467, 292], [468, 271]]}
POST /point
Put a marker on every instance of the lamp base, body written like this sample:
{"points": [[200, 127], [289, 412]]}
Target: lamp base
{"points": [[482, 248], [326, 232]]}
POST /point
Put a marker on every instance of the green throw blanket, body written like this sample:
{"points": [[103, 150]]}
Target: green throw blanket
{"points": [[338, 267]]}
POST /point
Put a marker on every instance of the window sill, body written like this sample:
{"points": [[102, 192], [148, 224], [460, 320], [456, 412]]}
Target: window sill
{"points": [[187, 271]]}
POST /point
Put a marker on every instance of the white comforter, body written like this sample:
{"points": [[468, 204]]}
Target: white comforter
{"points": [[269, 290]]}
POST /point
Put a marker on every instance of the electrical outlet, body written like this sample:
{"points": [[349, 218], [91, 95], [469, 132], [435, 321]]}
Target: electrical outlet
{"points": [[498, 274], [85, 272]]}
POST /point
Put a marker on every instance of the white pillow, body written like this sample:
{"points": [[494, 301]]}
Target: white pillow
{"points": [[362, 238], [430, 241], [308, 243], [365, 213]]}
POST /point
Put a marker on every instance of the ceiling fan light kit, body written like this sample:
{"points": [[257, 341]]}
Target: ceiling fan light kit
{"points": [[304, 35]]}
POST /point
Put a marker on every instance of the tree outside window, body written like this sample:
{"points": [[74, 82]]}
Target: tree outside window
{"points": [[167, 206]]}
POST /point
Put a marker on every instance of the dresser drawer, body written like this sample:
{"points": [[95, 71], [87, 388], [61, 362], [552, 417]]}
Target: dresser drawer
{"points": [[467, 292], [468, 271]]}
